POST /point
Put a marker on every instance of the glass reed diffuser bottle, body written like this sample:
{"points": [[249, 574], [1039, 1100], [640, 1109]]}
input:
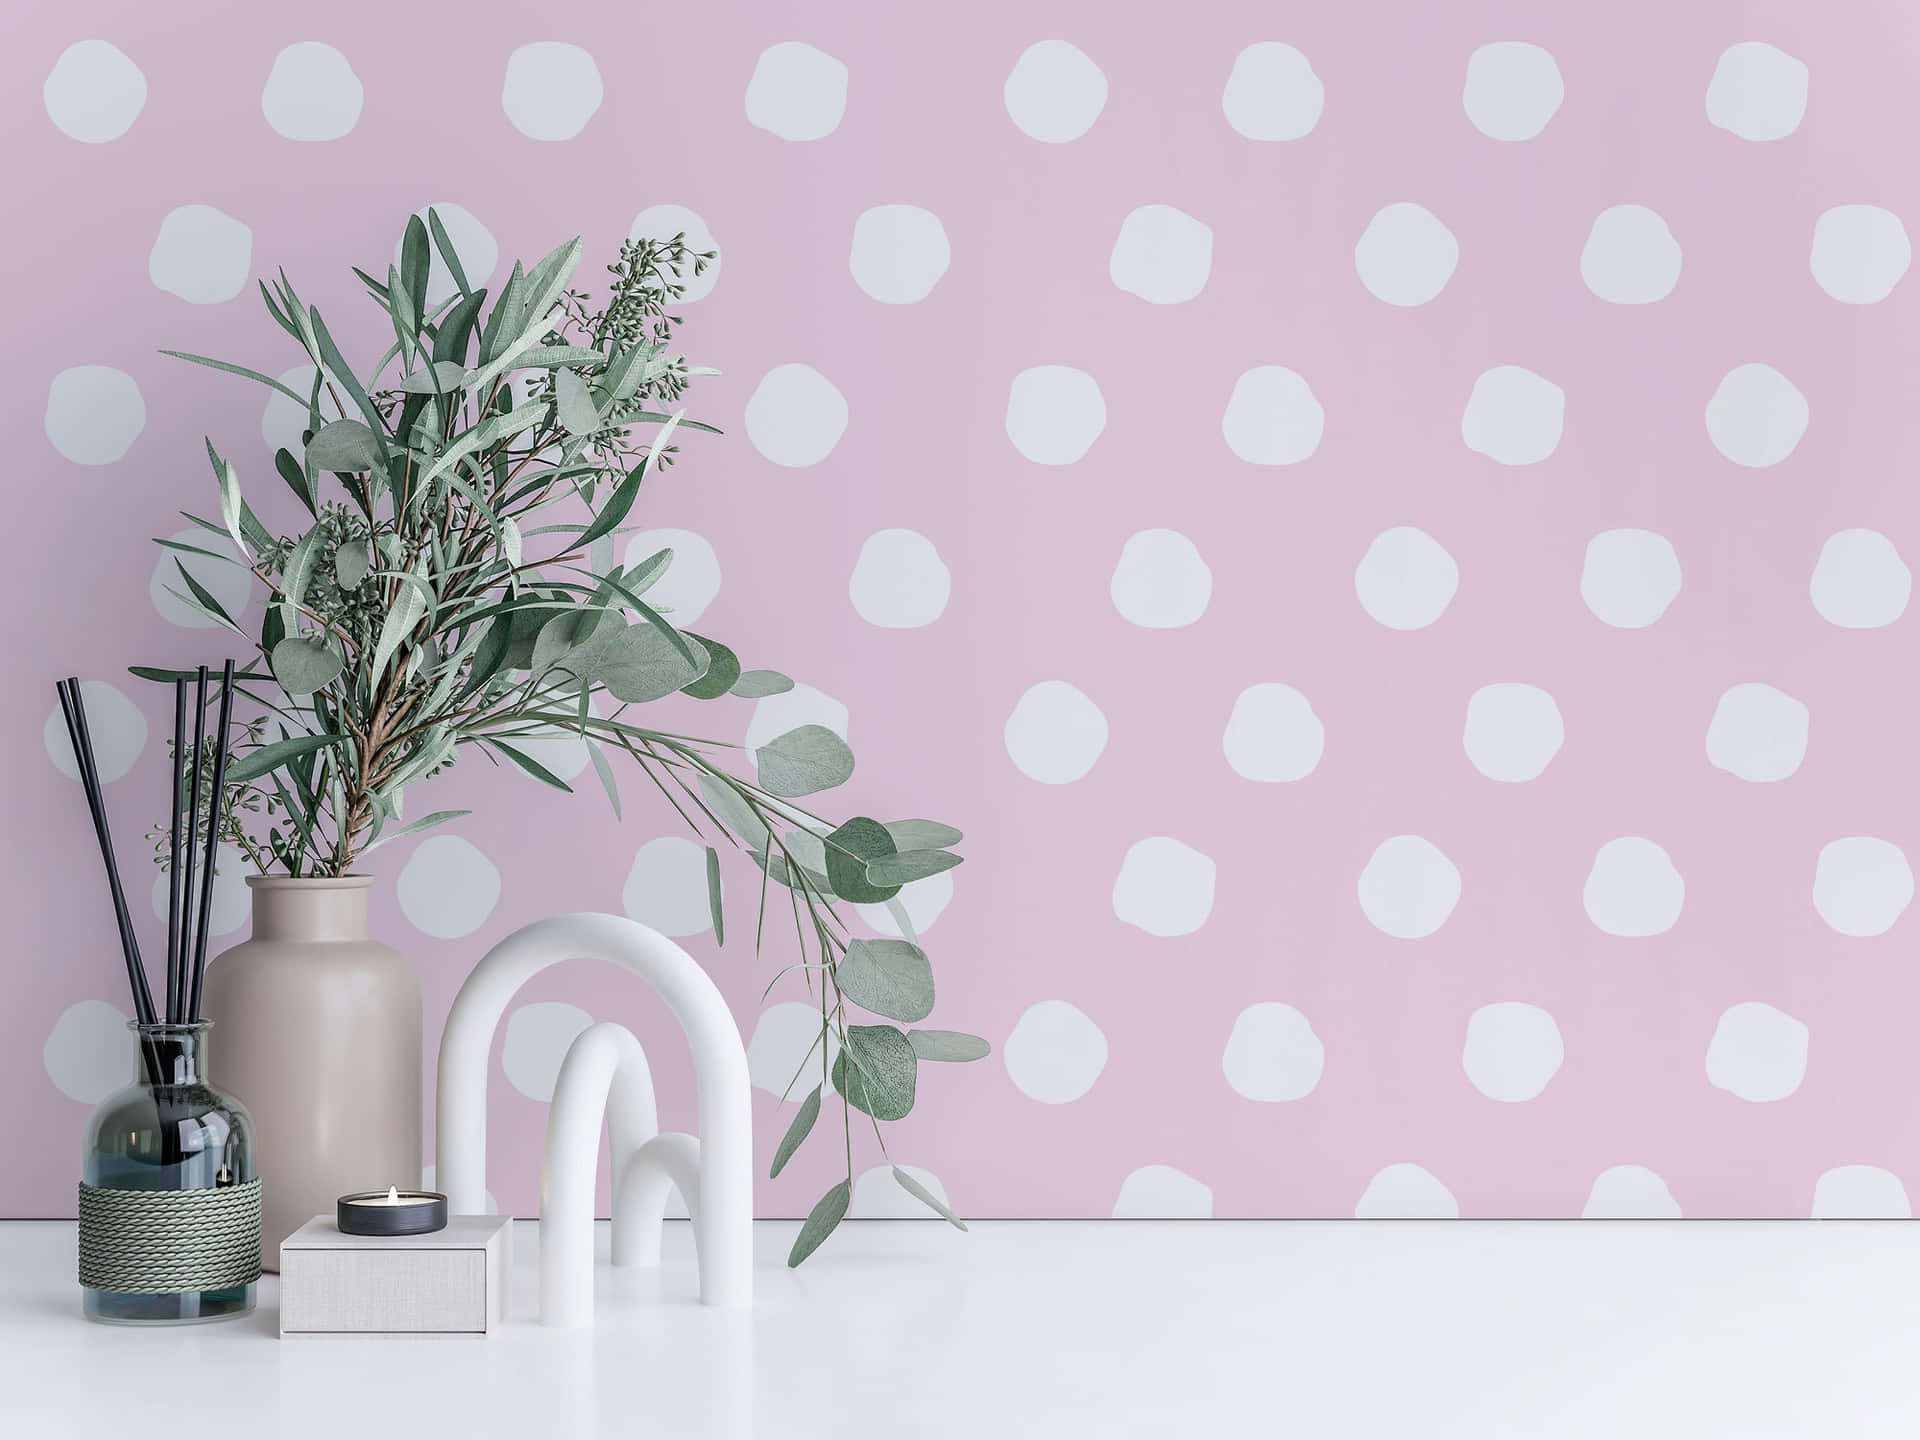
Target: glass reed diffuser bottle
{"points": [[169, 1203]]}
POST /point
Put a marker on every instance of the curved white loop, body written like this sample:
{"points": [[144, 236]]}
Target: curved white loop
{"points": [[606, 1063]]}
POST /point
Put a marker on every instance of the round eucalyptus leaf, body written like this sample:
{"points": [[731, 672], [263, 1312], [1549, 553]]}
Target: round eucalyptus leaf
{"points": [[849, 849], [723, 668], [302, 666], [802, 761], [888, 977], [876, 1071]]}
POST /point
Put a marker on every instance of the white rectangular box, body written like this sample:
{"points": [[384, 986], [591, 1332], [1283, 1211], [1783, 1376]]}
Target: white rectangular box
{"points": [[452, 1281]]}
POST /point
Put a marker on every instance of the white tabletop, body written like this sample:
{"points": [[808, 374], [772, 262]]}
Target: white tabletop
{"points": [[1390, 1331]]}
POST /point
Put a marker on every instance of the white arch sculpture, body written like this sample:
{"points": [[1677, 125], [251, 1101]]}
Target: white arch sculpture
{"points": [[606, 1071]]}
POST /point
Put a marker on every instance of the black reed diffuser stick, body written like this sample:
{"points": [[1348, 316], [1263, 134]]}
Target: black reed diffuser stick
{"points": [[216, 814], [75, 711], [176, 962], [176, 995]]}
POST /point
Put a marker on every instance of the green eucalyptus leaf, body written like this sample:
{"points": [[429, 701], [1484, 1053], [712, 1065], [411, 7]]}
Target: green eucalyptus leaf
{"points": [[714, 909], [456, 328], [605, 773], [573, 404], [345, 447], [638, 579], [758, 684], [828, 1212], [888, 977], [927, 1198], [242, 371], [923, 835], [734, 812], [951, 1046], [547, 357], [532, 766], [448, 256], [408, 606], [802, 761], [272, 756], [639, 664], [351, 563], [723, 668], [850, 849], [439, 817], [909, 866], [202, 600], [303, 666], [414, 258], [296, 478], [797, 1132], [440, 378], [876, 1070]]}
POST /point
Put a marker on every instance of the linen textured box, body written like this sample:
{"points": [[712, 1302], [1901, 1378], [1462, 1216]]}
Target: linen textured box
{"points": [[453, 1281]]}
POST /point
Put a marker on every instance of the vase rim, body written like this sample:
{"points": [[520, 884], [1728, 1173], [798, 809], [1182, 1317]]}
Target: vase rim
{"points": [[163, 1028], [309, 882]]}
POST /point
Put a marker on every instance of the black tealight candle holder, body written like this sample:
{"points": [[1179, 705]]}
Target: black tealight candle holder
{"points": [[392, 1212]]}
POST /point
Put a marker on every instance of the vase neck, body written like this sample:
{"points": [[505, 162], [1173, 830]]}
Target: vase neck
{"points": [[326, 909], [168, 1054]]}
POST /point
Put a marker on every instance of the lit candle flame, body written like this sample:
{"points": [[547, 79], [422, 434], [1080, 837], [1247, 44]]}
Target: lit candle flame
{"points": [[393, 1194]]}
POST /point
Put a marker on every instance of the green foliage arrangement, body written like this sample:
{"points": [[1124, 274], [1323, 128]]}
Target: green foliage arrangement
{"points": [[453, 591]]}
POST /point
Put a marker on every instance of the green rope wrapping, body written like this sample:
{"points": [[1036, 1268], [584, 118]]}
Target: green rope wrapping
{"points": [[167, 1242]]}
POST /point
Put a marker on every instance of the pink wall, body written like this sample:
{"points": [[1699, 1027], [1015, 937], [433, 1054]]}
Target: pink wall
{"points": [[1032, 551]]}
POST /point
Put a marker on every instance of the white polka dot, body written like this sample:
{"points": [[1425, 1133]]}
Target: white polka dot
{"points": [[1273, 93], [1055, 733], [447, 887], [775, 715], [1273, 734], [899, 253], [1633, 888], [1054, 414], [1163, 255], [1406, 579], [94, 414], [1054, 92], [1860, 582], [796, 416], [1513, 731], [232, 901], [1859, 253], [1161, 582], [552, 90], [923, 900], [1513, 1050], [1055, 1053], [1160, 1192], [1405, 255], [1860, 1192], [94, 92], [1406, 1192], [899, 582], [1630, 577], [878, 1196], [1513, 416], [783, 1036], [1757, 92], [797, 92], [1756, 417], [1862, 885], [312, 93], [1273, 417], [1757, 1052], [1631, 257], [201, 254], [691, 580], [663, 222], [115, 725], [228, 582], [479, 252], [667, 887], [1630, 1192], [89, 1053], [1513, 89], [538, 1035], [1164, 887], [1409, 887], [1273, 1054], [1758, 733]]}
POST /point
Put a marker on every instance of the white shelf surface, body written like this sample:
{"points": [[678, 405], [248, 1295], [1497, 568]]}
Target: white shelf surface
{"points": [[1064, 1330]]}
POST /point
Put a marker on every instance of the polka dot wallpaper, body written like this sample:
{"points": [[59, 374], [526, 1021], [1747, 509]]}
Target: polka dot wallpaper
{"points": [[1388, 527]]}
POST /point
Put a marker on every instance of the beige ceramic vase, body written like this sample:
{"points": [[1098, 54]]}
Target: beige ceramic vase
{"points": [[318, 1034]]}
